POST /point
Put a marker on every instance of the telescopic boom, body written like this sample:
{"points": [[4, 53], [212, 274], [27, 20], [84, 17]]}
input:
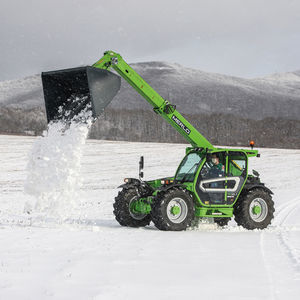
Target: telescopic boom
{"points": [[159, 104]]}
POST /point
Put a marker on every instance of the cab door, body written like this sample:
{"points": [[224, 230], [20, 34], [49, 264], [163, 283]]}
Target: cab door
{"points": [[223, 187], [236, 174], [211, 182]]}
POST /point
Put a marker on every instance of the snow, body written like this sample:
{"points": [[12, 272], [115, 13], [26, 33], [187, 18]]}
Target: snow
{"points": [[89, 256], [288, 77], [54, 169]]}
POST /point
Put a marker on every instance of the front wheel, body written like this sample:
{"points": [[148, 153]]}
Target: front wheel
{"points": [[255, 210], [174, 210], [123, 213]]}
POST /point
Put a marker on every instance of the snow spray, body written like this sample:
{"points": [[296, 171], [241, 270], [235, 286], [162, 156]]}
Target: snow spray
{"points": [[53, 169]]}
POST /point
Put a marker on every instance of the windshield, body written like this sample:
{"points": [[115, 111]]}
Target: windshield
{"points": [[188, 167]]}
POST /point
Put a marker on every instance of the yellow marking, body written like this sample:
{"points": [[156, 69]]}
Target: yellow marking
{"points": [[236, 165], [99, 61]]}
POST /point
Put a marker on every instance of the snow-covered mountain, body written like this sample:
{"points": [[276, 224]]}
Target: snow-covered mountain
{"points": [[23, 93], [238, 109], [193, 91]]}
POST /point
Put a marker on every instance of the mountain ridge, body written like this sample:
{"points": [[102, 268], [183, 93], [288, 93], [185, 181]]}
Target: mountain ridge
{"points": [[192, 90]]}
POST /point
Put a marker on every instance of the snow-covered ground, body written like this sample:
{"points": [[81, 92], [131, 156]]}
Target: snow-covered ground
{"points": [[89, 256]]}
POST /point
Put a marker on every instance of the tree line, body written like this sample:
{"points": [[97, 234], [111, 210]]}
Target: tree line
{"points": [[146, 126]]}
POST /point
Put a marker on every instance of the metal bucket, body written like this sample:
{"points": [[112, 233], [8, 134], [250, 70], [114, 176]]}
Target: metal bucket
{"points": [[69, 92]]}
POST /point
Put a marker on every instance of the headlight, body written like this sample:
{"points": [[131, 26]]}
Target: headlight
{"points": [[167, 181]]}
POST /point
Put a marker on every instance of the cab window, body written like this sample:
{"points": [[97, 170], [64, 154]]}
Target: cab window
{"points": [[188, 167], [236, 165]]}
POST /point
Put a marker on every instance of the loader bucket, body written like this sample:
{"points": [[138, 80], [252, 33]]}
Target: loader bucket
{"points": [[69, 92]]}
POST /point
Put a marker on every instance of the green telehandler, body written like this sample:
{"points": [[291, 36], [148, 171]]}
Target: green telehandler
{"points": [[210, 182]]}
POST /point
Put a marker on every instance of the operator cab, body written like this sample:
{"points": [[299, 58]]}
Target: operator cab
{"points": [[218, 176], [220, 184]]}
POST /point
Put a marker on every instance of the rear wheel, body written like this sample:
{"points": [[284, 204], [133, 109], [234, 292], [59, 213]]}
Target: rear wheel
{"points": [[255, 210], [123, 213], [174, 210]]}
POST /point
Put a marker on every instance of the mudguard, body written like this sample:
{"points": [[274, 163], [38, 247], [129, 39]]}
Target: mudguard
{"points": [[143, 188], [127, 185], [250, 186]]}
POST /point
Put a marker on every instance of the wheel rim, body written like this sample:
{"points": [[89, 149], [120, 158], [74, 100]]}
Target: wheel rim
{"points": [[177, 210], [135, 216], [258, 209]]}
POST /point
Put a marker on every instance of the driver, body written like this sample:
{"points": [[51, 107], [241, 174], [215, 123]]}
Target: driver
{"points": [[217, 169]]}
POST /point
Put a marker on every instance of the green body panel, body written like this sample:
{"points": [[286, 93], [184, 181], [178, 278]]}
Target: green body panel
{"points": [[209, 212], [156, 183]]}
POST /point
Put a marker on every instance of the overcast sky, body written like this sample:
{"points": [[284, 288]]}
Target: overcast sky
{"points": [[247, 38]]}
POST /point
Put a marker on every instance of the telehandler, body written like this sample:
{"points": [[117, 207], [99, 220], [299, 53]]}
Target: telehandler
{"points": [[210, 182]]}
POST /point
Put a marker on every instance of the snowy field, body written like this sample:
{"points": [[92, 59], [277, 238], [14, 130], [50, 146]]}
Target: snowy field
{"points": [[89, 256]]}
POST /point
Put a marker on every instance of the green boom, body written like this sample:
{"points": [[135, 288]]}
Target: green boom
{"points": [[159, 104]]}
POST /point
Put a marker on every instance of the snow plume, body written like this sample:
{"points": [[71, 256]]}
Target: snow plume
{"points": [[53, 170]]}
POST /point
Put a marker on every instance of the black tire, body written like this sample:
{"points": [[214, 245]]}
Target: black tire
{"points": [[161, 210], [222, 221], [243, 210], [122, 211]]}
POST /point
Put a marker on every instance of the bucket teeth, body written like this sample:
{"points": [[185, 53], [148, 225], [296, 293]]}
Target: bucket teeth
{"points": [[73, 93]]}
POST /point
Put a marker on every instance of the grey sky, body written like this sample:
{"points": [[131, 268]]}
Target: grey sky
{"points": [[245, 38]]}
